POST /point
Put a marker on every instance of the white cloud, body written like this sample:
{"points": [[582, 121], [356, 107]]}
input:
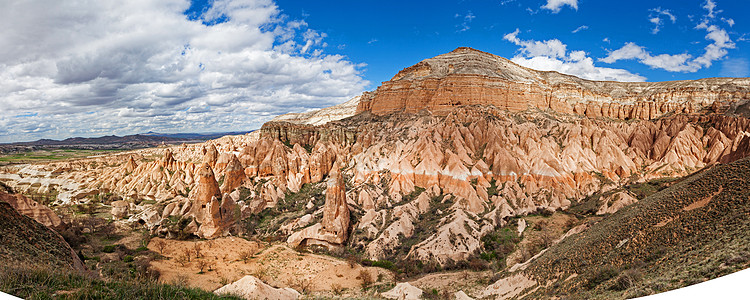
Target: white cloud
{"points": [[99, 67], [710, 6], [655, 16], [552, 55], [683, 62], [556, 5], [582, 27], [465, 25]]}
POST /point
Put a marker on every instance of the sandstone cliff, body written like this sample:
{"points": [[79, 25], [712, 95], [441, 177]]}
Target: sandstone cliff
{"points": [[322, 116], [470, 77]]}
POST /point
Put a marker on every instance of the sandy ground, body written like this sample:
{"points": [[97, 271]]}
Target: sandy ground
{"points": [[276, 265]]}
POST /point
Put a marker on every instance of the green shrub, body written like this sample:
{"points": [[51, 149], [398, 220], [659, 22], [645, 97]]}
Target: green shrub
{"points": [[35, 282], [600, 276]]}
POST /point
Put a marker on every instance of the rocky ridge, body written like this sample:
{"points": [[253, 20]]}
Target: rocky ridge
{"points": [[467, 76], [324, 115]]}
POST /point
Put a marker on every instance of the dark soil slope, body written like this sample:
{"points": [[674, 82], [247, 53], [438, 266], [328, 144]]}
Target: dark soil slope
{"points": [[28, 242], [696, 230]]}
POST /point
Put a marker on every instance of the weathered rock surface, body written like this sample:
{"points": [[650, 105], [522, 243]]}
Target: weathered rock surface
{"points": [[26, 241], [252, 288], [333, 228], [32, 209], [403, 291], [322, 116], [615, 202], [120, 209], [467, 76]]}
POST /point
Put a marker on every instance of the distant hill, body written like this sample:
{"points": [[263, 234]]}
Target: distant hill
{"points": [[149, 139]]}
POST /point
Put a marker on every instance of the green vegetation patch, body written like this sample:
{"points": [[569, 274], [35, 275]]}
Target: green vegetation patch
{"points": [[38, 283], [34, 156]]}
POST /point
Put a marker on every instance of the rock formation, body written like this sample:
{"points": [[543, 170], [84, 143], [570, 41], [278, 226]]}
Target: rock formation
{"points": [[403, 291], [32, 209], [467, 76], [120, 209], [336, 211], [206, 187], [615, 202], [252, 288], [322, 116], [334, 227], [28, 242], [234, 175]]}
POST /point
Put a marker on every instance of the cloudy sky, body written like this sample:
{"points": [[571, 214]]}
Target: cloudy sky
{"points": [[100, 67]]}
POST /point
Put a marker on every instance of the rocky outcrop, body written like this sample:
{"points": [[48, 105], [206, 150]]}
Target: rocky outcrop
{"points": [[28, 242], [307, 135], [467, 76], [334, 227], [120, 209], [614, 202], [322, 116], [252, 288], [234, 175], [32, 209], [336, 211], [206, 188], [404, 291]]}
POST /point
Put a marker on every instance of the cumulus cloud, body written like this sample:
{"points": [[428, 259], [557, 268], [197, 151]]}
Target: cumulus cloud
{"points": [[556, 5], [100, 67], [655, 17], [683, 62], [553, 55]]}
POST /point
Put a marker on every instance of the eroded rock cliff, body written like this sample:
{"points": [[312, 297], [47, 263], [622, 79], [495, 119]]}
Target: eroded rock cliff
{"points": [[467, 76]]}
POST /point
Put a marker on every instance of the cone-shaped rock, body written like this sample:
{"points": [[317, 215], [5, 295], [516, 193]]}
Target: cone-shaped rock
{"points": [[234, 175], [130, 165], [211, 156], [206, 186], [336, 212]]}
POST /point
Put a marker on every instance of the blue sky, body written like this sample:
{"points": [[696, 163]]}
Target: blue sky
{"points": [[92, 67], [391, 35]]}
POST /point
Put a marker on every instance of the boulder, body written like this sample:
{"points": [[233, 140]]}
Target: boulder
{"points": [[615, 202], [120, 209], [403, 291], [460, 295], [252, 288]]}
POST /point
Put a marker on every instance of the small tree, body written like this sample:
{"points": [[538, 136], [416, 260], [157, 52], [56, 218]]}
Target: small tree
{"points": [[202, 264], [160, 245], [245, 255], [187, 253], [198, 251], [182, 259], [366, 278]]}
